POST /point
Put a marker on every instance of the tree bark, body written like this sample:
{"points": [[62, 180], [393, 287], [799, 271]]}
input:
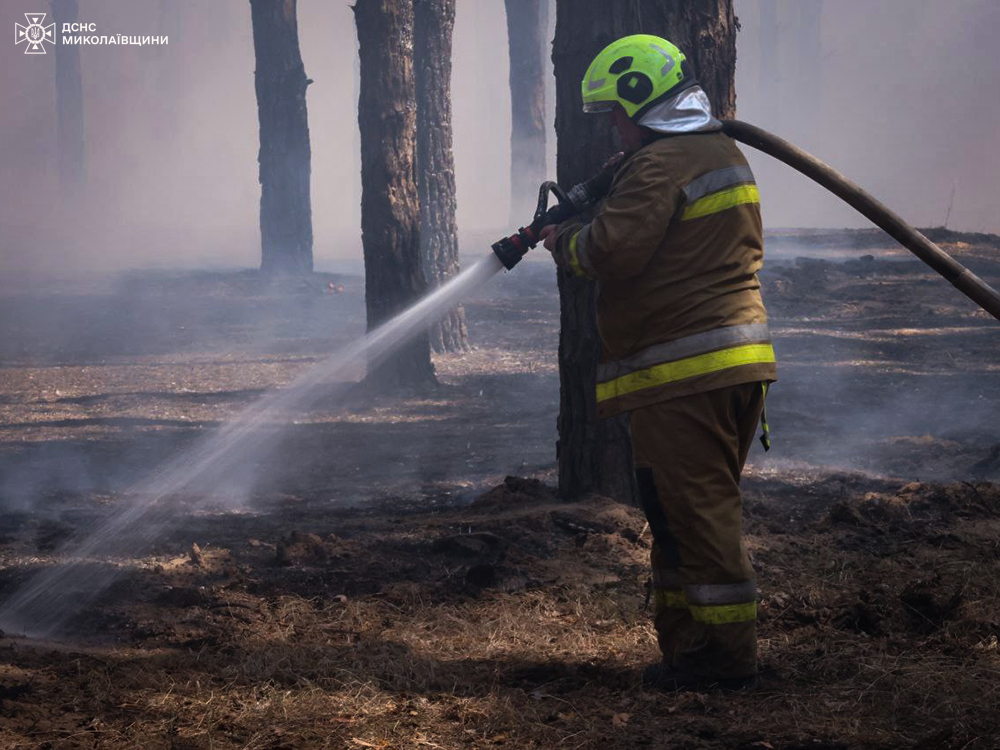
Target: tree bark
{"points": [[526, 25], [390, 210], [280, 81], [596, 456], [69, 105], [433, 23]]}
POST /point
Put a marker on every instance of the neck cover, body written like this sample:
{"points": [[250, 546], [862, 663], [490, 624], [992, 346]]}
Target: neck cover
{"points": [[687, 112]]}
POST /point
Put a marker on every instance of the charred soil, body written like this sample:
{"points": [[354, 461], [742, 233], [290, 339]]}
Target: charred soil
{"points": [[382, 583]]}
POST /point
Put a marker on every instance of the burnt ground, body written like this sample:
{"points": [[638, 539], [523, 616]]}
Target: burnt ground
{"points": [[397, 571]]}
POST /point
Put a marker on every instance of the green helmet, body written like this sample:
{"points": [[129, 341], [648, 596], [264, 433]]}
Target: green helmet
{"points": [[636, 72]]}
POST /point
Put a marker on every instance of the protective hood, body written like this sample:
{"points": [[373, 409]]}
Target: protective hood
{"points": [[687, 112]]}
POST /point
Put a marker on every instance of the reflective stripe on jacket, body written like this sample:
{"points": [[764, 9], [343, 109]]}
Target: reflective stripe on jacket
{"points": [[673, 361], [675, 248]]}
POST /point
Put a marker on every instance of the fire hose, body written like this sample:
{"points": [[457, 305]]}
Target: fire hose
{"points": [[511, 249]]}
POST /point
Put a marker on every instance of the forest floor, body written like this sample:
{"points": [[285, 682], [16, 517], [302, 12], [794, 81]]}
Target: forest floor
{"points": [[397, 572]]}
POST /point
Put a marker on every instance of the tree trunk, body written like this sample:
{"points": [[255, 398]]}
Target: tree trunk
{"points": [[356, 136], [69, 105], [433, 23], [526, 25], [595, 456], [390, 210], [280, 80]]}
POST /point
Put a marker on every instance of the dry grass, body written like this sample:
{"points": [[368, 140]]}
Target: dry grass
{"points": [[863, 641], [879, 621]]}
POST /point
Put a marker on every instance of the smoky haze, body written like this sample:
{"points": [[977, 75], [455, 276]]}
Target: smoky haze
{"points": [[899, 95], [895, 94], [104, 383], [171, 137]]}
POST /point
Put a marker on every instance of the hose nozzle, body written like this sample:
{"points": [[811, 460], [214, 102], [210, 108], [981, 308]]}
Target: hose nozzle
{"points": [[511, 249]]}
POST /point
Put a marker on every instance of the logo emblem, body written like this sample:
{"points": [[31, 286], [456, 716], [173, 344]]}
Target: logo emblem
{"points": [[592, 84], [666, 56], [35, 34]]}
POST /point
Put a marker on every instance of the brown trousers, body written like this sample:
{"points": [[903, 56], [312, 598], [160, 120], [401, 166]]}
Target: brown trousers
{"points": [[689, 454]]}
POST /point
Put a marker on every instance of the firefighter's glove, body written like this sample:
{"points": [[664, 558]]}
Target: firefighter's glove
{"points": [[559, 240]]}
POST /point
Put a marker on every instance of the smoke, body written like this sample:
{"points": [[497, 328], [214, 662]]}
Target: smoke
{"points": [[171, 138], [171, 145], [101, 383], [894, 94], [222, 461], [898, 101], [882, 369]]}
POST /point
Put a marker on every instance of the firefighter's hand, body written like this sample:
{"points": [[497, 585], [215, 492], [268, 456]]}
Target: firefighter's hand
{"points": [[548, 237], [613, 161]]}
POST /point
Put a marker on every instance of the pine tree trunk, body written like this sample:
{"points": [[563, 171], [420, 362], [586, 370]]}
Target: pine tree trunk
{"points": [[69, 105], [526, 25], [595, 455], [433, 23], [280, 81], [390, 210]]}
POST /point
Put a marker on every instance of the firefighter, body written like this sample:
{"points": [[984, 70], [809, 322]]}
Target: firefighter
{"points": [[675, 249]]}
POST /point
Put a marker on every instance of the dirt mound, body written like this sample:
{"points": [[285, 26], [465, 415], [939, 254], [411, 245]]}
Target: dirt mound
{"points": [[310, 549], [470, 545], [920, 505], [515, 491]]}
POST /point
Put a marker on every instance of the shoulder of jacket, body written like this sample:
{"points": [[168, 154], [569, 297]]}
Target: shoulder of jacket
{"points": [[664, 158], [687, 142]]}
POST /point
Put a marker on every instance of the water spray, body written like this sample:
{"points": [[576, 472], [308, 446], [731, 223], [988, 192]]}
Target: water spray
{"points": [[581, 197], [44, 606], [47, 603]]}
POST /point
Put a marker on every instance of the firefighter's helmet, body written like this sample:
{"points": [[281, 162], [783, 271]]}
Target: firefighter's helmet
{"points": [[636, 72]]}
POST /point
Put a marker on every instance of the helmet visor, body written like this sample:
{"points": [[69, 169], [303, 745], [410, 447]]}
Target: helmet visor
{"points": [[605, 106]]}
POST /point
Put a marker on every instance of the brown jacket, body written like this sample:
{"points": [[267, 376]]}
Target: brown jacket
{"points": [[675, 248]]}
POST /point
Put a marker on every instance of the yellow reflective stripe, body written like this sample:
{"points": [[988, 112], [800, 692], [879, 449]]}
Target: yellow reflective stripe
{"points": [[711, 614], [701, 364], [712, 204], [667, 599], [574, 258], [722, 614]]}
